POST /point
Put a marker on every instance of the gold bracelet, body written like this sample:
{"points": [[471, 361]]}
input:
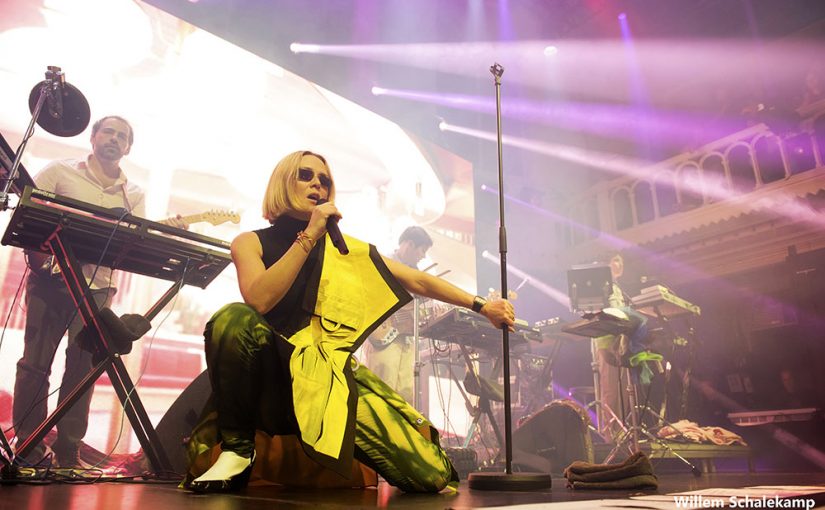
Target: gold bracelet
{"points": [[306, 242], [300, 242]]}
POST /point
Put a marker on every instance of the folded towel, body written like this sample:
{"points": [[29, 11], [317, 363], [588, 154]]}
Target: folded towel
{"points": [[635, 472], [632, 483]]}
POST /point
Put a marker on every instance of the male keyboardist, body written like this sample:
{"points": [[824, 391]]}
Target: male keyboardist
{"points": [[50, 311]]}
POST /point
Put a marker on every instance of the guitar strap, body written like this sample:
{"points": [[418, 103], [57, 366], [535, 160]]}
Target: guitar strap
{"points": [[126, 201]]}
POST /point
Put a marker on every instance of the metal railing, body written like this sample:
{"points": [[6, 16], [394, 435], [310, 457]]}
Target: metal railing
{"points": [[741, 163]]}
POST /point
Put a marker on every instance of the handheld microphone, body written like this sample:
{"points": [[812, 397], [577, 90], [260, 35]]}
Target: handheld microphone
{"points": [[334, 232]]}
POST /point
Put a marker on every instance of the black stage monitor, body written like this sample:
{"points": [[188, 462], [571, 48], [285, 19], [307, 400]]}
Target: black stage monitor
{"points": [[589, 288]]}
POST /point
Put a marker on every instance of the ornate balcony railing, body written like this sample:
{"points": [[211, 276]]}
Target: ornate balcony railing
{"points": [[755, 159]]}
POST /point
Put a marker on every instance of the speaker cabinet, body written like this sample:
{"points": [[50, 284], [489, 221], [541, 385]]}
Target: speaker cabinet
{"points": [[557, 433], [177, 424]]}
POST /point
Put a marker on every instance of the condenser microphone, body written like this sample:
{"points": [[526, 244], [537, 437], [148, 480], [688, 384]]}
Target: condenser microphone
{"points": [[335, 232]]}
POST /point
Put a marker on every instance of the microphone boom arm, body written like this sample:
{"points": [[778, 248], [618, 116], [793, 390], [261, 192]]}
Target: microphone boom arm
{"points": [[38, 107]]}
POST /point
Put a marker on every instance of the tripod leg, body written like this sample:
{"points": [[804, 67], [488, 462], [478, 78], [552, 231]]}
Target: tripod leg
{"points": [[467, 402], [597, 387], [664, 422], [666, 448], [623, 441], [606, 411], [484, 405], [630, 436], [473, 427], [634, 410]]}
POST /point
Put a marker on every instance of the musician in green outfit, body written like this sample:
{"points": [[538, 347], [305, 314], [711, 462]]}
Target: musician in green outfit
{"points": [[607, 349], [281, 362]]}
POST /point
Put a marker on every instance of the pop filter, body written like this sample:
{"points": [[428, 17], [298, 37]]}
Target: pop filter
{"points": [[71, 116]]}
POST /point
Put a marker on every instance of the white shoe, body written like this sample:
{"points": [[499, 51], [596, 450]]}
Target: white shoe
{"points": [[230, 473], [228, 466]]}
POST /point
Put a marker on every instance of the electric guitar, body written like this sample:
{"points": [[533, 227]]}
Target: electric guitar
{"points": [[383, 335], [44, 264], [215, 217], [401, 322]]}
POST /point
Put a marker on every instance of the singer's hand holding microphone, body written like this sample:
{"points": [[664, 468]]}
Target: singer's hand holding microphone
{"points": [[325, 218]]}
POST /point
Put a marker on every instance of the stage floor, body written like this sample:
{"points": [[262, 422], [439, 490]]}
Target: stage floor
{"points": [[163, 496]]}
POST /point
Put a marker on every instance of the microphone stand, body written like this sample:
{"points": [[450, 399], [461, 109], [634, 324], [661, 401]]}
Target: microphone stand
{"points": [[7, 454], [62, 123], [10, 469], [418, 401], [69, 115], [490, 480], [45, 87]]}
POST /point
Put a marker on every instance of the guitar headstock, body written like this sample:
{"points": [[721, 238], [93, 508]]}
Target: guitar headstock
{"points": [[218, 216]]}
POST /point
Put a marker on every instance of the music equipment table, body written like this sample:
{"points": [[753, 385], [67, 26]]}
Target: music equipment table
{"points": [[659, 302], [471, 329], [552, 329], [600, 324], [76, 232]]}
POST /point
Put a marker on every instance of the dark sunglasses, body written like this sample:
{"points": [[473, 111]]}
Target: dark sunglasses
{"points": [[307, 174]]}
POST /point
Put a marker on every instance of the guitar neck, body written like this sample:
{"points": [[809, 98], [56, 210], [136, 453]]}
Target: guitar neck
{"points": [[194, 218], [213, 217]]}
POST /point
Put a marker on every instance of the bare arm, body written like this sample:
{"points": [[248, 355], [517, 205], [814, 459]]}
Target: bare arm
{"points": [[262, 288], [498, 312]]}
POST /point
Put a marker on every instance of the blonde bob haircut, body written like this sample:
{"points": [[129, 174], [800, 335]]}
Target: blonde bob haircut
{"points": [[280, 196]]}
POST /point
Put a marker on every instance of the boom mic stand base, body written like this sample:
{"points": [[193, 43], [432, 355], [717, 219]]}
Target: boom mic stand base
{"points": [[507, 481]]}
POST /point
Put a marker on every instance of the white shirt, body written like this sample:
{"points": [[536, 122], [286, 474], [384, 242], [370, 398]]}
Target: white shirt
{"points": [[72, 178]]}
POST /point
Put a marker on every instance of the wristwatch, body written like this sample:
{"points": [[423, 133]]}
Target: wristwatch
{"points": [[478, 304]]}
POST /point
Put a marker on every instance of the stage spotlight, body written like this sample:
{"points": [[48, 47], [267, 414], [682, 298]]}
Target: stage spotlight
{"points": [[549, 51], [443, 126], [304, 48], [378, 91], [622, 17]]}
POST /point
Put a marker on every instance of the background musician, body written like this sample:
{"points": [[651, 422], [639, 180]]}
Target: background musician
{"points": [[607, 349], [389, 353], [50, 311]]}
